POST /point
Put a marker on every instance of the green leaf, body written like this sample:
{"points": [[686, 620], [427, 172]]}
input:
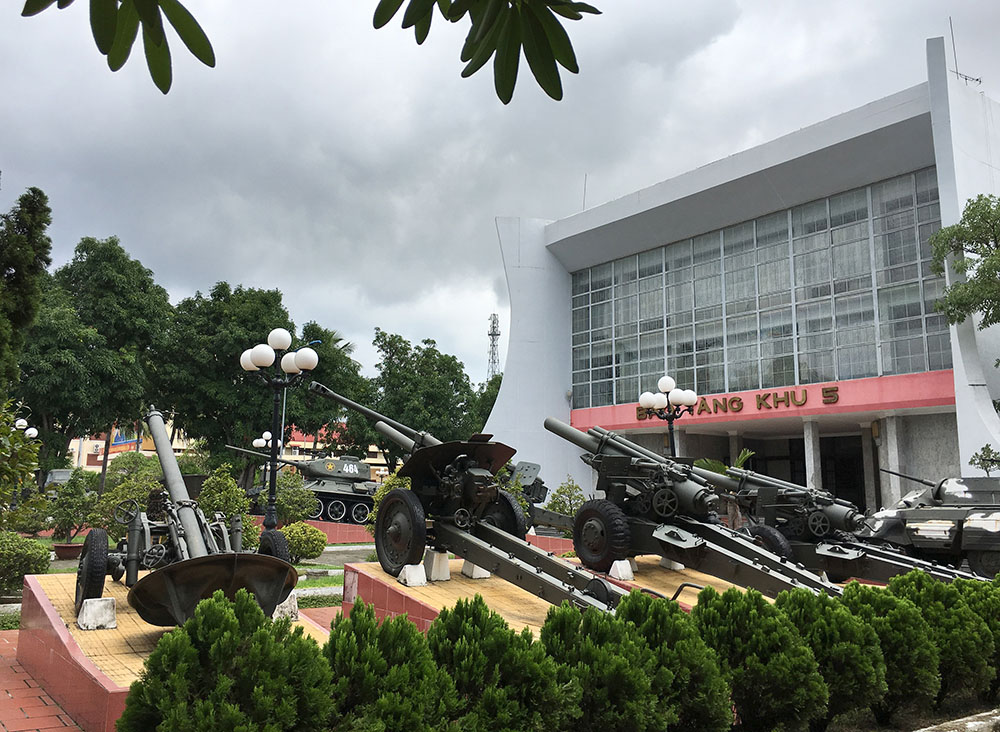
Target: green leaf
{"points": [[423, 27], [189, 31], [416, 11], [103, 19], [384, 11], [584, 8], [63, 4], [152, 23], [566, 11], [559, 41], [508, 56], [157, 60], [458, 9], [489, 18], [483, 51], [444, 6], [34, 7], [126, 30], [539, 54]]}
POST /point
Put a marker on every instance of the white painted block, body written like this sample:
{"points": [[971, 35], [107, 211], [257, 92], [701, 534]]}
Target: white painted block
{"points": [[97, 613], [412, 575], [633, 565], [670, 564], [622, 570], [289, 608], [436, 565], [473, 571]]}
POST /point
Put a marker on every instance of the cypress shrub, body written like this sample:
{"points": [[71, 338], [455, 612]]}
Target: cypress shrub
{"points": [[964, 643], [847, 651], [623, 687], [231, 668], [984, 600], [775, 682], [504, 680], [20, 556], [304, 541], [698, 693], [384, 675], [911, 658]]}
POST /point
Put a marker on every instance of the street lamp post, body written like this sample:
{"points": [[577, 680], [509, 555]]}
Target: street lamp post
{"points": [[293, 365], [669, 403]]}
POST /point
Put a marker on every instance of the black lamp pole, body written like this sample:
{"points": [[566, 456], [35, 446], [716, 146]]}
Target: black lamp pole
{"points": [[670, 413], [669, 404]]}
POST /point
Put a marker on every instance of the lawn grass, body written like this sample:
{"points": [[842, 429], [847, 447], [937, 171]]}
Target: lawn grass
{"points": [[12, 621], [308, 601], [337, 581]]}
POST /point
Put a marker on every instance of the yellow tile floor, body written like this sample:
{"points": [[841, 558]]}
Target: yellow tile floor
{"points": [[120, 653]]}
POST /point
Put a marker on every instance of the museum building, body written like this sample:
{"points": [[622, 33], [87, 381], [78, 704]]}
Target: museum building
{"points": [[789, 285]]}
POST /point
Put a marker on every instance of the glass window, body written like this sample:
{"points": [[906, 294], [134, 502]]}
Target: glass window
{"points": [[773, 277], [680, 341], [627, 390], [601, 393], [775, 324], [901, 301], [581, 396], [904, 356], [897, 247], [650, 304], [708, 291], [812, 268], [772, 228], [651, 347], [626, 270], [857, 362], [939, 352], [678, 255], [851, 259], [814, 317], [738, 239], [626, 309], [581, 282], [816, 367], [581, 358], [846, 208], [892, 195], [581, 320], [600, 315], [651, 262], [809, 218], [744, 375], [777, 371], [855, 310], [600, 276], [927, 188], [925, 232], [708, 335], [710, 379], [706, 248], [741, 330]]}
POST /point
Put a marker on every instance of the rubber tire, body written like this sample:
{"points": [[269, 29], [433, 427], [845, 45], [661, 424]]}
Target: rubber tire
{"points": [[317, 513], [331, 513], [402, 509], [771, 539], [985, 563], [361, 509], [93, 567], [507, 515], [615, 540], [274, 544]]}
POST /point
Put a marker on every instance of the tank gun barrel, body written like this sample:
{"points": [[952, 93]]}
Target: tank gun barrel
{"points": [[922, 481], [263, 456], [179, 495], [418, 439]]}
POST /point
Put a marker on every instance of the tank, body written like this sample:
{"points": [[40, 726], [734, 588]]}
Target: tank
{"points": [[343, 487], [951, 521]]}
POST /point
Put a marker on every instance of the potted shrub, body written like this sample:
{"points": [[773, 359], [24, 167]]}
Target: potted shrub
{"points": [[74, 501]]}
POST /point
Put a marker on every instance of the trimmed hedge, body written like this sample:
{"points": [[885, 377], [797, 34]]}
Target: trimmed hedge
{"points": [[20, 556], [304, 541]]}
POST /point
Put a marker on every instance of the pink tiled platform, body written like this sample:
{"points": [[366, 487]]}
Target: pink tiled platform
{"points": [[24, 705]]}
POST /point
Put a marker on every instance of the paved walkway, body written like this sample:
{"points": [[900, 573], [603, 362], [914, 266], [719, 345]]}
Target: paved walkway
{"points": [[24, 707]]}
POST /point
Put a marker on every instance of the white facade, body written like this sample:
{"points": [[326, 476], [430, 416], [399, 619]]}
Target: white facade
{"points": [[942, 124]]}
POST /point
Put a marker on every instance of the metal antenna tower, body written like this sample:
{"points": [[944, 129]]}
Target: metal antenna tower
{"points": [[494, 333]]}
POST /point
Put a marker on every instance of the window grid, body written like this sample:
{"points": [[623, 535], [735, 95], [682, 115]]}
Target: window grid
{"points": [[837, 288]]}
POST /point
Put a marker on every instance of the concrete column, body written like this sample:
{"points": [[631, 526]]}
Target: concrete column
{"points": [[890, 443], [814, 472], [868, 461], [735, 446]]}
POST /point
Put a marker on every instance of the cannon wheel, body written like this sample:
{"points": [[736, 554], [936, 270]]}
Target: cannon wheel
{"points": [[274, 544], [771, 539], [986, 563], [400, 531], [93, 567], [507, 515], [336, 510], [601, 534], [359, 513]]}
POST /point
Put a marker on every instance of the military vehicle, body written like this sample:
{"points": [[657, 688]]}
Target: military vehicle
{"points": [[949, 521], [343, 486]]}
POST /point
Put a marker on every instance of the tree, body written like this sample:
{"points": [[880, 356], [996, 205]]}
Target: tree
{"points": [[482, 405], [74, 502], [498, 30], [421, 387], [24, 255], [972, 248], [18, 457]]}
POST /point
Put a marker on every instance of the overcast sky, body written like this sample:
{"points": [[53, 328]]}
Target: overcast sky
{"points": [[361, 176]]}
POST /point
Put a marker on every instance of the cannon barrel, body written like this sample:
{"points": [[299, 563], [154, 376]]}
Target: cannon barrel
{"points": [[264, 455], [923, 481], [179, 496], [584, 441], [416, 438], [395, 435]]}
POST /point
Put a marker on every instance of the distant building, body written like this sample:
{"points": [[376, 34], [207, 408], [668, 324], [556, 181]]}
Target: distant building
{"points": [[789, 285]]}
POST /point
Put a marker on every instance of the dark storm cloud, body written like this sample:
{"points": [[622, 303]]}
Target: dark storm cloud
{"points": [[360, 175]]}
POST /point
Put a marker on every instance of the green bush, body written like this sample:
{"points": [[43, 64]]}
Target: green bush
{"points": [[20, 556], [389, 484], [135, 486], [698, 693], [221, 494], [504, 680], [10, 621], [304, 541], [384, 675], [128, 465], [31, 515], [964, 642], [911, 658], [73, 504], [623, 688], [566, 499], [293, 502], [847, 651], [231, 668], [984, 600], [773, 675]]}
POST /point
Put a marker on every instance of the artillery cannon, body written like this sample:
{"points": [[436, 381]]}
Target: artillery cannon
{"points": [[190, 556], [947, 521], [343, 486], [456, 504]]}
